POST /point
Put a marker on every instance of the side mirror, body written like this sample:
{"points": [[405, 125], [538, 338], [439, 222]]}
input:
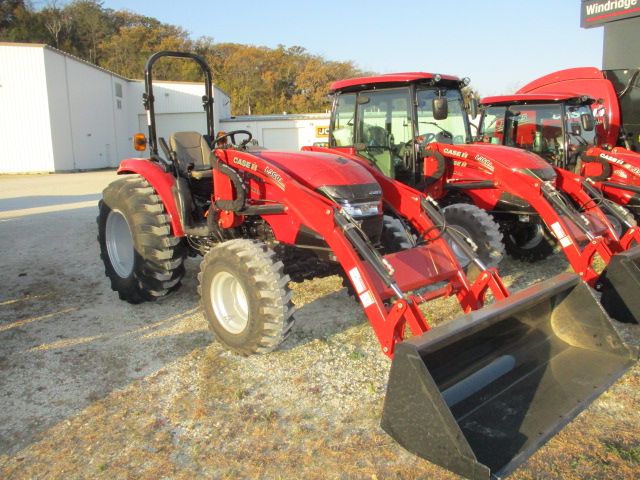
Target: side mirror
{"points": [[359, 147], [440, 108], [587, 122], [473, 108]]}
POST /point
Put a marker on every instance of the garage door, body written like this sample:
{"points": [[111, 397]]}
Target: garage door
{"points": [[281, 138]]}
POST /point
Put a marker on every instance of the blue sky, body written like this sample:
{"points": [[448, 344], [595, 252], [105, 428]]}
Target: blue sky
{"points": [[500, 44]]}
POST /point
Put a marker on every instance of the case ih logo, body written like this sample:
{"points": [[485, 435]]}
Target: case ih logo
{"points": [[244, 163], [631, 168], [448, 151], [598, 12]]}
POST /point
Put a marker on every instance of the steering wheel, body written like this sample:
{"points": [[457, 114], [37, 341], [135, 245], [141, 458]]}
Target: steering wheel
{"points": [[428, 137], [232, 135]]}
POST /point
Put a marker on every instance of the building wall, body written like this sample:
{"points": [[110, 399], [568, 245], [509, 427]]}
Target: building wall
{"points": [[621, 45], [25, 129], [60, 113], [57, 89], [282, 132], [89, 124], [178, 107]]}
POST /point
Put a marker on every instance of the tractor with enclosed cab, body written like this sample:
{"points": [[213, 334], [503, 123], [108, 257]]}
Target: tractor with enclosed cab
{"points": [[414, 127]]}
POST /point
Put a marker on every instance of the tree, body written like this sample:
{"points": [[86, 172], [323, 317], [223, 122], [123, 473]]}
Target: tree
{"points": [[20, 23], [260, 80], [91, 24], [8, 11], [127, 52]]}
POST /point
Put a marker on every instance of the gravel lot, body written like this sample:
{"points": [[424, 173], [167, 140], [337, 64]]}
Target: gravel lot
{"points": [[96, 388]]}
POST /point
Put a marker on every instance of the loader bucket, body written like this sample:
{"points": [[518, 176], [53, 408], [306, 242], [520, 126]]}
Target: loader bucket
{"points": [[482, 393], [620, 286]]}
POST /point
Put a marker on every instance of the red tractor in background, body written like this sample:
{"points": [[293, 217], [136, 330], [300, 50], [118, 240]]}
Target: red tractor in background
{"points": [[254, 214], [617, 94], [606, 155], [561, 128], [414, 127]]}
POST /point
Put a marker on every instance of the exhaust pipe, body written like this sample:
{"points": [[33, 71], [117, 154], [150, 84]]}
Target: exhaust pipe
{"points": [[480, 394]]}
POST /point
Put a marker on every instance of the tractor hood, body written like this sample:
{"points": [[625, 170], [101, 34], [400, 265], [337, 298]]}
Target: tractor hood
{"points": [[316, 170], [493, 155]]}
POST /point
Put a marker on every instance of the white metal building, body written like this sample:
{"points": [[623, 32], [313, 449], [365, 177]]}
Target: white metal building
{"points": [[60, 113], [282, 132]]}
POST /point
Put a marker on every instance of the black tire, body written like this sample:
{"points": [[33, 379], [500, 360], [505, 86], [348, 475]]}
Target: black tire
{"points": [[394, 237], [529, 242], [473, 222], [142, 259], [246, 297], [618, 226]]}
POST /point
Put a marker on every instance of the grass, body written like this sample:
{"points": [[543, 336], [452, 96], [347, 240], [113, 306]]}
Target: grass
{"points": [[308, 411]]}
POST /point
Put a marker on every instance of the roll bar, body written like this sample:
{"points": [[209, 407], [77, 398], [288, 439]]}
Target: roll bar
{"points": [[148, 98]]}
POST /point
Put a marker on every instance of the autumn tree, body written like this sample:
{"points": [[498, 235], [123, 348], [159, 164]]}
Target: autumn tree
{"points": [[126, 52], [260, 80], [20, 23]]}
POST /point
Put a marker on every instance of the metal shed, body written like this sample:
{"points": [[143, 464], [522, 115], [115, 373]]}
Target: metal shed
{"points": [[282, 132], [60, 113]]}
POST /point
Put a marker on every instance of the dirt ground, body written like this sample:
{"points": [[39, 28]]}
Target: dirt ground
{"points": [[93, 387]]}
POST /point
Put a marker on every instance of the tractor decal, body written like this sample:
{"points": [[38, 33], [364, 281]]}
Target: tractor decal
{"points": [[449, 151], [244, 163]]}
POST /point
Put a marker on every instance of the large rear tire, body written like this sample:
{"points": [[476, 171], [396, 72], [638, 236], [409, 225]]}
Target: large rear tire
{"points": [[475, 223], [142, 259], [246, 297]]}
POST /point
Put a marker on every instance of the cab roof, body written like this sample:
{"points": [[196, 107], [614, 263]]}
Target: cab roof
{"points": [[390, 80], [529, 98]]}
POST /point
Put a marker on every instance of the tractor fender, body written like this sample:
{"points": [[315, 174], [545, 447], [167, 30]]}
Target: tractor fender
{"points": [[165, 185], [606, 167]]}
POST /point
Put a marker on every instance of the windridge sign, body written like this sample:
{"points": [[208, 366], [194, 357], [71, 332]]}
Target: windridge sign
{"points": [[598, 12]]}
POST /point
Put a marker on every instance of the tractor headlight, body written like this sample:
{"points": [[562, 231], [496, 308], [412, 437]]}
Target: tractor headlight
{"points": [[363, 209], [357, 200]]}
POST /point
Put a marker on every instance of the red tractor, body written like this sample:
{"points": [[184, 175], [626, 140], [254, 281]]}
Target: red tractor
{"points": [[414, 127], [255, 214], [561, 128], [606, 155], [617, 94]]}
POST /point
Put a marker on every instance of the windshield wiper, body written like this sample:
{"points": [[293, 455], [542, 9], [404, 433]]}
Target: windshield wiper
{"points": [[450, 135]]}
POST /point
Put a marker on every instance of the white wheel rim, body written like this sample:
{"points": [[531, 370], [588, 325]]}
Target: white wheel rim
{"points": [[462, 258], [119, 244], [229, 302], [535, 240]]}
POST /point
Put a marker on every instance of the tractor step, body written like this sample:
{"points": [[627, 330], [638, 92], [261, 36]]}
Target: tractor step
{"points": [[197, 231]]}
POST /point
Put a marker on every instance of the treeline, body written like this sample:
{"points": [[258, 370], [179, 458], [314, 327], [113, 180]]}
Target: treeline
{"points": [[260, 80]]}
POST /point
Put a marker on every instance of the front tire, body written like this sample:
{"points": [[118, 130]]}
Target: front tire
{"points": [[246, 297], [529, 242], [142, 259], [475, 223], [394, 237]]}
